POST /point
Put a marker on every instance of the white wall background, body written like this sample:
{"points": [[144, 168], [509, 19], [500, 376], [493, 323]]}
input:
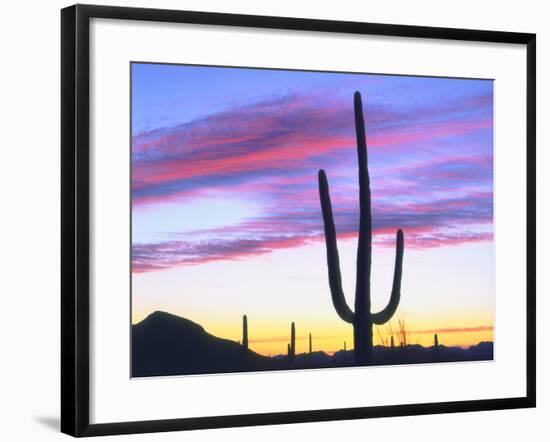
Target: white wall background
{"points": [[29, 233]]}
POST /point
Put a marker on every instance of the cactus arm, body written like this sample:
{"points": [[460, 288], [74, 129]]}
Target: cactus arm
{"points": [[384, 316], [333, 260]]}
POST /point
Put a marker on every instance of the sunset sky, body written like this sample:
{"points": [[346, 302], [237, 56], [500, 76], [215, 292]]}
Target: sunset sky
{"points": [[226, 218]]}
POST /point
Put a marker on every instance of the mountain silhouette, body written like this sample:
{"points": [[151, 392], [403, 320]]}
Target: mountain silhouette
{"points": [[164, 344]]}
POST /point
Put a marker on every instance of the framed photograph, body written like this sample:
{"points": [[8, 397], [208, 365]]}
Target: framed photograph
{"points": [[277, 220]]}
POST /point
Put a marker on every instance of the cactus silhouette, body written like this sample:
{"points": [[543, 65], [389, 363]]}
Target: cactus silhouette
{"points": [[292, 345], [310, 346], [392, 342], [345, 349], [245, 332], [436, 346], [362, 319]]}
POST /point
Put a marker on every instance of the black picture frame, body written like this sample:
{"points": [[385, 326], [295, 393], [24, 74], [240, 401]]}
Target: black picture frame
{"points": [[75, 225]]}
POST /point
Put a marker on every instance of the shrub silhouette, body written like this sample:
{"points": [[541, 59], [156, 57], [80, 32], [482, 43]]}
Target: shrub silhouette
{"points": [[403, 332], [362, 318]]}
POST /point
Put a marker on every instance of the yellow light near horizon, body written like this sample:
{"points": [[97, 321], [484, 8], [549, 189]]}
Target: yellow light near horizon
{"points": [[270, 337]]}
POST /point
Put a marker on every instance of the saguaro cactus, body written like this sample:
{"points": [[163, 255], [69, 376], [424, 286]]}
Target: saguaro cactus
{"points": [[436, 346], [292, 345], [392, 342], [245, 332], [310, 346], [362, 318]]}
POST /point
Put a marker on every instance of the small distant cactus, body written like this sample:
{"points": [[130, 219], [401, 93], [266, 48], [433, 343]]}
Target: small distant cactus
{"points": [[345, 346], [436, 345], [245, 332], [292, 345], [362, 318], [392, 342], [310, 345]]}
